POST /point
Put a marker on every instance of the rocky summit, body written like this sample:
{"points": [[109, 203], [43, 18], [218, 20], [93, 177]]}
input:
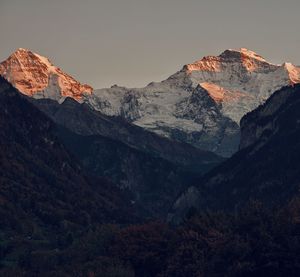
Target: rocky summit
{"points": [[35, 75]]}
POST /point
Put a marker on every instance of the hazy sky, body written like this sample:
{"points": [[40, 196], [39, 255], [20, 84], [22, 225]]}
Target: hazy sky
{"points": [[134, 42]]}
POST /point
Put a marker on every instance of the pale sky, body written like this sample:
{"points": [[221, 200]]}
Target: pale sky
{"points": [[134, 42]]}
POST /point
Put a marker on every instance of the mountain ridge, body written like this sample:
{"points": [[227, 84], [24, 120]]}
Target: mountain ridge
{"points": [[236, 82]]}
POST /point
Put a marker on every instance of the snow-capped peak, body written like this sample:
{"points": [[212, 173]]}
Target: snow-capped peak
{"points": [[249, 53], [293, 72], [35, 75], [246, 58], [22, 49]]}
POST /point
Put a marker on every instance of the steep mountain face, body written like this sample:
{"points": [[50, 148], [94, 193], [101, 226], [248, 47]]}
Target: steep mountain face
{"points": [[203, 103], [266, 168], [36, 76], [43, 190]]}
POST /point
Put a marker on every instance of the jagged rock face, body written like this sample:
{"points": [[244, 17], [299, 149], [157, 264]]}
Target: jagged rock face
{"points": [[218, 133], [266, 168], [203, 103], [36, 76]]}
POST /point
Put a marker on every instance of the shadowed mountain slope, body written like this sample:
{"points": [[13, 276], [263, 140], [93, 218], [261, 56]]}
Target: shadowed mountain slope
{"points": [[266, 168]]}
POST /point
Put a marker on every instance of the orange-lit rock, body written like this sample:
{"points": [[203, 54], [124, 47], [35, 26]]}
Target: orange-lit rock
{"points": [[31, 74], [215, 92], [247, 58]]}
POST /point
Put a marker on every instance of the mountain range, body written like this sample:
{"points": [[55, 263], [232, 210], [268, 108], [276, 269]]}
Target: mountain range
{"points": [[154, 142], [150, 168], [213, 148], [201, 104]]}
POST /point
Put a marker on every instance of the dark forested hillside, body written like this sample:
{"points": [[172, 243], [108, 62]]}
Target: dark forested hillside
{"points": [[152, 182], [254, 241], [44, 194]]}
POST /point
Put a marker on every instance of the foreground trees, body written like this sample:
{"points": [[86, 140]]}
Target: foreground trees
{"points": [[255, 241]]}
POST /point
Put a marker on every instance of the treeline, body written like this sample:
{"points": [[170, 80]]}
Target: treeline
{"points": [[255, 241]]}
